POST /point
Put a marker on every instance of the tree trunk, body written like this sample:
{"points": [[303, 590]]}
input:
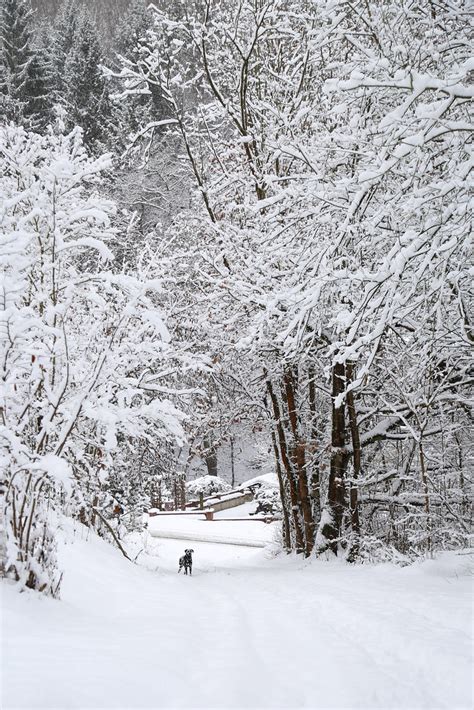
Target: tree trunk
{"points": [[356, 458], [283, 496], [315, 479], [426, 492], [298, 457], [232, 461], [183, 493], [336, 492], [3, 532], [210, 456], [287, 467]]}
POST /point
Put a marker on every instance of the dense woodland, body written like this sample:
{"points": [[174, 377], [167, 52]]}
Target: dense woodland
{"points": [[250, 214]]}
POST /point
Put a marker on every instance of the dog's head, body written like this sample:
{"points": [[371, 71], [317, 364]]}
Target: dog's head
{"points": [[188, 552]]}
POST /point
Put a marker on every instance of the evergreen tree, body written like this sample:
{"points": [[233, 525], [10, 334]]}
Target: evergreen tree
{"points": [[79, 83], [65, 28], [131, 31], [24, 95]]}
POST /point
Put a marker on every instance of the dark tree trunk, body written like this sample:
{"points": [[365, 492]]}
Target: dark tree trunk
{"points": [[287, 467], [183, 493], [336, 491], [283, 496], [232, 461], [356, 458], [175, 495], [298, 457], [315, 480], [160, 499], [210, 456]]}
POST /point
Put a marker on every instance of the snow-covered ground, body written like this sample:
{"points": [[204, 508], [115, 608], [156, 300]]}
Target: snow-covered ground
{"points": [[245, 631], [221, 530]]}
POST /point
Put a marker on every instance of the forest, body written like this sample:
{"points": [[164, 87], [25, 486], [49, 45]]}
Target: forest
{"points": [[237, 219]]}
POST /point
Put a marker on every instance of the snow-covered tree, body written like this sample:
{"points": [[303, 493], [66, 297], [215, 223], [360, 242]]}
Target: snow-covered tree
{"points": [[24, 90], [330, 156], [80, 86], [84, 348]]}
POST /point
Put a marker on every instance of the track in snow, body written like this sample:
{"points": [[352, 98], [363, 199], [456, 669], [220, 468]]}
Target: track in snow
{"points": [[245, 631]]}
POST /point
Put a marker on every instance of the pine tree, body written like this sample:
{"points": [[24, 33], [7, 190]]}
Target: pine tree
{"points": [[65, 28], [24, 95], [79, 83], [132, 29]]}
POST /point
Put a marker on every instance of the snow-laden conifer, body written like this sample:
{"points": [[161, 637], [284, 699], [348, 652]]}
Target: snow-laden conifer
{"points": [[24, 90], [80, 87]]}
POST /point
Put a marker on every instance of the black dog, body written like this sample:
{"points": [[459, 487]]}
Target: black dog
{"points": [[186, 561]]}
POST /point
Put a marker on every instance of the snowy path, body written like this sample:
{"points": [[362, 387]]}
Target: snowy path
{"points": [[244, 632], [246, 533]]}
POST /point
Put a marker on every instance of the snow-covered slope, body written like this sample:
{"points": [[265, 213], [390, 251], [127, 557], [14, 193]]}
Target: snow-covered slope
{"points": [[245, 631]]}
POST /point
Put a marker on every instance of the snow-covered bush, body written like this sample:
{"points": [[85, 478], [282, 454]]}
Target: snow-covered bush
{"points": [[207, 485], [81, 347], [30, 557], [373, 550], [268, 500]]}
